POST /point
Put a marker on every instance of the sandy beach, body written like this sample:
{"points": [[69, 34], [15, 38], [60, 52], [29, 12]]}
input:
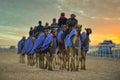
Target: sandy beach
{"points": [[98, 68]]}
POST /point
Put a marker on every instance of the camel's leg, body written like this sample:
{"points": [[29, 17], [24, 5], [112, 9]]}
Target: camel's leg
{"points": [[27, 59], [31, 60], [61, 60], [37, 58], [68, 57], [50, 62], [82, 54], [43, 61], [40, 60], [72, 50], [64, 61], [78, 58], [54, 60], [23, 58], [47, 60], [74, 59], [83, 60], [84, 66], [20, 58]]}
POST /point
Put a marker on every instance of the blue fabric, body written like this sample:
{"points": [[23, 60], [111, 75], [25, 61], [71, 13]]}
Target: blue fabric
{"points": [[68, 41], [20, 45], [54, 47], [28, 46], [59, 35], [83, 35], [38, 43], [47, 42], [86, 48]]}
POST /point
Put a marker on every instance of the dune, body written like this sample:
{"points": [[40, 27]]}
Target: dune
{"points": [[98, 68]]}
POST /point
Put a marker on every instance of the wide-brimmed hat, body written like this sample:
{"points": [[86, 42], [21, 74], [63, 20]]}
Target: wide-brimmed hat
{"points": [[73, 15]]}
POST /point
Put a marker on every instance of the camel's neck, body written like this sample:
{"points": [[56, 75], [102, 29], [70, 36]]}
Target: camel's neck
{"points": [[87, 38]]}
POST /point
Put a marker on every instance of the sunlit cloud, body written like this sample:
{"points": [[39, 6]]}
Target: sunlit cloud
{"points": [[105, 18], [7, 37], [118, 18], [82, 12]]}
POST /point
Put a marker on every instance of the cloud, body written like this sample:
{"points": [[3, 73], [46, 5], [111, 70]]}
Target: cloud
{"points": [[104, 18], [118, 18], [82, 12], [8, 36]]}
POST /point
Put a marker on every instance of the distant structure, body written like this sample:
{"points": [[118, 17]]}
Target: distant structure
{"points": [[105, 47], [12, 47]]}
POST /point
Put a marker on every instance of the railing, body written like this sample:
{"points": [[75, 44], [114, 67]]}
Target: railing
{"points": [[113, 52]]}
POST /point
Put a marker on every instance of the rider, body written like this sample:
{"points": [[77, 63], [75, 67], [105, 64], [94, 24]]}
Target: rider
{"points": [[72, 21], [46, 25], [54, 23], [40, 26], [31, 32], [62, 20]]}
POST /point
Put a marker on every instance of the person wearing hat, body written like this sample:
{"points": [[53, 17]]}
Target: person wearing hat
{"points": [[72, 21], [40, 26], [54, 23], [31, 32], [62, 20], [46, 25]]}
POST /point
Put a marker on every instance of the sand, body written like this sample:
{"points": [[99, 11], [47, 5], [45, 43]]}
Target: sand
{"points": [[98, 68]]}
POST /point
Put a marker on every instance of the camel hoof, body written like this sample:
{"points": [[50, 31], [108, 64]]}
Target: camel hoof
{"points": [[76, 69], [83, 68], [50, 69], [68, 69]]}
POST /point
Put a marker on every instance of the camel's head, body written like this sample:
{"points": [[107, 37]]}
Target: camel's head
{"points": [[54, 32], [64, 27], [79, 28], [88, 30]]}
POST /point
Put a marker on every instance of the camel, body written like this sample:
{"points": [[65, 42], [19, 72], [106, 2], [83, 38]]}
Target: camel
{"points": [[85, 47], [20, 47], [61, 54], [33, 56], [70, 41], [53, 49], [78, 46], [44, 50], [27, 48]]}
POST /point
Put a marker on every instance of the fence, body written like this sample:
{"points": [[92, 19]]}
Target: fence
{"points": [[113, 52]]}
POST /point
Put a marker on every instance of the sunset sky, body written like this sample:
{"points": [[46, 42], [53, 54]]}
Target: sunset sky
{"points": [[17, 16]]}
